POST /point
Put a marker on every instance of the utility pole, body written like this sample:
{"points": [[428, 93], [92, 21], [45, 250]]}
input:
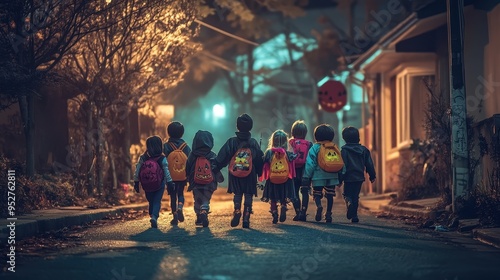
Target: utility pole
{"points": [[459, 147]]}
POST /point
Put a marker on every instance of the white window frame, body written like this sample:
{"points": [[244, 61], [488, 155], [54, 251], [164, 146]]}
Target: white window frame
{"points": [[403, 74]]}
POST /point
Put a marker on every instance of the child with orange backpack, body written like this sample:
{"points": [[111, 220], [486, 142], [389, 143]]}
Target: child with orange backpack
{"points": [[244, 157], [177, 151], [151, 171], [279, 171], [300, 147], [202, 179], [323, 167]]}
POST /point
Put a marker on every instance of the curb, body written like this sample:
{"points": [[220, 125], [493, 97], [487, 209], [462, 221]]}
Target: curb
{"points": [[406, 211], [487, 236], [32, 226]]}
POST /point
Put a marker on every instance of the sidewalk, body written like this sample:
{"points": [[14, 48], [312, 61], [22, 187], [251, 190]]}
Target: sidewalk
{"points": [[424, 208], [41, 221]]}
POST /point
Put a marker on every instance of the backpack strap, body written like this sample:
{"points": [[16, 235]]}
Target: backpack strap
{"points": [[182, 146]]}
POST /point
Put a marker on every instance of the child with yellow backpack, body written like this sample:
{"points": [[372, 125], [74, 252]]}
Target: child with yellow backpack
{"points": [[279, 171], [323, 167]]}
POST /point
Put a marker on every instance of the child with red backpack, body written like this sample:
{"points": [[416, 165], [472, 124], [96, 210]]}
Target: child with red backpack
{"points": [[300, 148], [152, 172], [244, 157], [323, 167], [177, 151], [202, 179], [279, 171]]}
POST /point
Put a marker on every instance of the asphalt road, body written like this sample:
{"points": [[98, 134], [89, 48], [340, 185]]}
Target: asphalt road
{"points": [[373, 249]]}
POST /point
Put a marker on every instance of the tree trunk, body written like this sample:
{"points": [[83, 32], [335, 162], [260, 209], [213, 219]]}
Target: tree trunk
{"points": [[112, 165], [26, 106], [248, 100], [99, 152], [89, 150], [126, 150]]}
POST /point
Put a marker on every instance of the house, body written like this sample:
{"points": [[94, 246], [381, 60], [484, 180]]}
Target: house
{"points": [[390, 76]]}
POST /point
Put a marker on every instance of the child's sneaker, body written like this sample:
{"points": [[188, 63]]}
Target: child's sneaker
{"points": [[328, 217], [246, 217], [175, 219], [180, 214], [297, 215], [235, 221], [303, 215], [355, 220], [275, 216], [283, 213], [319, 212], [154, 222], [204, 218], [198, 220]]}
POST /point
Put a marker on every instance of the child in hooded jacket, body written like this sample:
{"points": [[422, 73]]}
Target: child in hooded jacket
{"points": [[301, 148], [153, 151], [202, 180], [279, 161], [175, 132], [241, 186], [357, 160], [320, 179]]}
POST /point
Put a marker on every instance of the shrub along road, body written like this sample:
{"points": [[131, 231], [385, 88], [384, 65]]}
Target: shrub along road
{"points": [[373, 249]]}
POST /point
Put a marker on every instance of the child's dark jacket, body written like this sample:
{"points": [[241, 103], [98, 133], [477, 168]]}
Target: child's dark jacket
{"points": [[203, 143], [241, 185], [356, 158]]}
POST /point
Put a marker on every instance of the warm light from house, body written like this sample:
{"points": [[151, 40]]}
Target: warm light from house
{"points": [[164, 113]]}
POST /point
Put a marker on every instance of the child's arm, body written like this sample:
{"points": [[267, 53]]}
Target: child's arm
{"points": [[259, 161], [223, 156], [167, 178], [138, 169], [311, 162], [370, 168], [189, 170]]}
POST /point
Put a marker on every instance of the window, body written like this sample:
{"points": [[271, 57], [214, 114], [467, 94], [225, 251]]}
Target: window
{"points": [[408, 99]]}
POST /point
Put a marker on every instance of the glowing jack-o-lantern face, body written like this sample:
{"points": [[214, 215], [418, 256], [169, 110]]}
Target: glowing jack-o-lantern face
{"points": [[177, 165], [332, 96], [203, 172], [279, 166], [332, 156]]}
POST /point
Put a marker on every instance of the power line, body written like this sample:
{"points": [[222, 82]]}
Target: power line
{"points": [[226, 33]]}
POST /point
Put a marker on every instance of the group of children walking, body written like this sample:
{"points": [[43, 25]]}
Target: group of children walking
{"points": [[289, 168]]}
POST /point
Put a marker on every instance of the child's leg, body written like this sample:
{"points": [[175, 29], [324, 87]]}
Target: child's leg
{"points": [[296, 203], [180, 200], [197, 205], [155, 205], [318, 195], [274, 211], [237, 199], [205, 196], [248, 209], [305, 197], [149, 198], [329, 193], [351, 191]]}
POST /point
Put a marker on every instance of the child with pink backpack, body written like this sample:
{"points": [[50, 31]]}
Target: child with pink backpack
{"points": [[151, 171], [300, 148]]}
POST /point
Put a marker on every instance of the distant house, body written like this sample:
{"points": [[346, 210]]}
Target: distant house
{"points": [[390, 76]]}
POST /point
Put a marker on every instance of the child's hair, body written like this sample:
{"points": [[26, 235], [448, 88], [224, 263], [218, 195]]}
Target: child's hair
{"points": [[175, 129], [279, 139], [154, 146], [324, 132], [350, 134], [299, 129]]}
